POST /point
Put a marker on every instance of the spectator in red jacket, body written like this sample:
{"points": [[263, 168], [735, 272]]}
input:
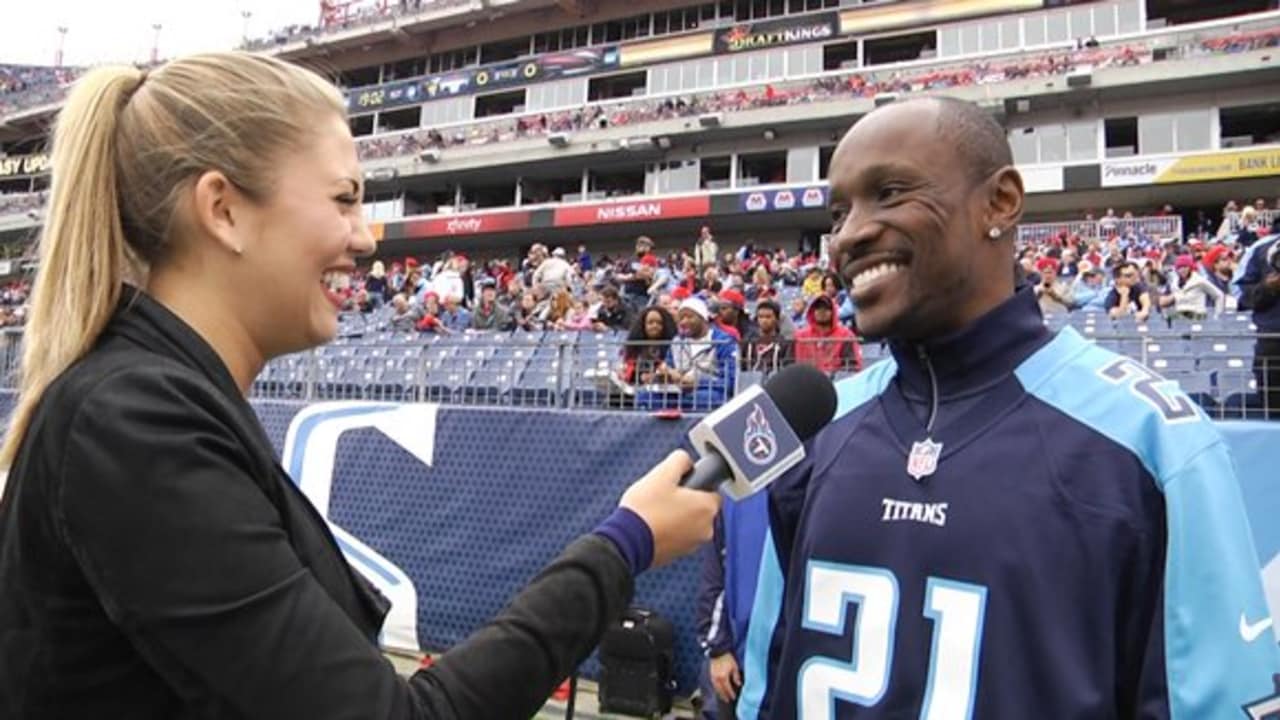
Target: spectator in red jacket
{"points": [[825, 343], [731, 314]]}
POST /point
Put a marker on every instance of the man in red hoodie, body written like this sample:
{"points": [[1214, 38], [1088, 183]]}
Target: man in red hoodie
{"points": [[825, 343]]}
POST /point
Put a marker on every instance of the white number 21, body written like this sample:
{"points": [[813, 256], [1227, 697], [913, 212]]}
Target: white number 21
{"points": [[956, 609]]}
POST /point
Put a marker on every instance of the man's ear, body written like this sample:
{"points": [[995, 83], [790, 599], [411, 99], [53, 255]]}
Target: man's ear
{"points": [[1005, 199]]}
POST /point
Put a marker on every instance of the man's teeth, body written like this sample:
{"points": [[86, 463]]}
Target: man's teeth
{"points": [[872, 274]]}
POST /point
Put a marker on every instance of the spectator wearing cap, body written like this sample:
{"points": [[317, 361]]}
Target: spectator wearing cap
{"points": [[766, 348], [730, 314], [550, 271], [1055, 296], [489, 313], [635, 276], [1192, 294], [613, 313], [1089, 292], [1128, 296], [585, 264], [1219, 265], [705, 250], [825, 343], [702, 361]]}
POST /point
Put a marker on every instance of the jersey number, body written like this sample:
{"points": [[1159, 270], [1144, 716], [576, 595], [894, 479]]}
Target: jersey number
{"points": [[1148, 386], [956, 609]]}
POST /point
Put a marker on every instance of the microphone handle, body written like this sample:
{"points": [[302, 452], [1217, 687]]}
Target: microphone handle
{"points": [[708, 472]]}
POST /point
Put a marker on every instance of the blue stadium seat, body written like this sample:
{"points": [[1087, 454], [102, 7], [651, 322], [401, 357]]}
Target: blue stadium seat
{"points": [[1234, 381], [1192, 382], [1171, 364], [1166, 346], [1230, 347], [442, 384], [1210, 362], [538, 386], [1132, 347]]}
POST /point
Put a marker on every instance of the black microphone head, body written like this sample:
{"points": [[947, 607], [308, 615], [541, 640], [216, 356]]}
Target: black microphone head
{"points": [[805, 397]]}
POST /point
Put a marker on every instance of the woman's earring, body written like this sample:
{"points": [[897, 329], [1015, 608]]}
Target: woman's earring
{"points": [[994, 233]]}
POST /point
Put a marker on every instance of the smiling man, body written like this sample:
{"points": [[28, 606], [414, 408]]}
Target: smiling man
{"points": [[1001, 522]]}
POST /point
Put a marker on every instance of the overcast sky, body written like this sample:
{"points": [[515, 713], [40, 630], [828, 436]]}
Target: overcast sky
{"points": [[101, 31]]}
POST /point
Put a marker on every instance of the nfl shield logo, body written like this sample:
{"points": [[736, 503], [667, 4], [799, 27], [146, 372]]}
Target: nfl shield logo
{"points": [[923, 460]]}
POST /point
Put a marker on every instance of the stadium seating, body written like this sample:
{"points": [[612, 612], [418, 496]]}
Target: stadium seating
{"points": [[549, 369]]}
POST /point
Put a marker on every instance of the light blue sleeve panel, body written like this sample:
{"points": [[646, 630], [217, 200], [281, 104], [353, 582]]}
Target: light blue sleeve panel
{"points": [[851, 393], [1220, 653], [764, 619], [1213, 596]]}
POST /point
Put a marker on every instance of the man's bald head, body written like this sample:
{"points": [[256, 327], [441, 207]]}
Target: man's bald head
{"points": [[974, 133]]}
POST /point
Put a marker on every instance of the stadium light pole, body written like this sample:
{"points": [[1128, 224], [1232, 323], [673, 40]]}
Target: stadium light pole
{"points": [[62, 45], [246, 14], [155, 44]]}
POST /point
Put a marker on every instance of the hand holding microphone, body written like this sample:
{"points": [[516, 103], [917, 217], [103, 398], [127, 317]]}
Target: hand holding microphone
{"points": [[760, 433], [680, 518], [749, 442]]}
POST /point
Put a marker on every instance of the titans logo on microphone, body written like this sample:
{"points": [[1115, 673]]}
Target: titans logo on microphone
{"points": [[759, 442]]}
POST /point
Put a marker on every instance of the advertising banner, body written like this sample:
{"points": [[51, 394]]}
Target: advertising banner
{"points": [[1233, 165], [633, 211], [776, 33], [793, 198], [454, 225], [473, 80], [20, 165]]}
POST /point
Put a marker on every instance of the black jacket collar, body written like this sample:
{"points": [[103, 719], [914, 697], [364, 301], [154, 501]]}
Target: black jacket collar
{"points": [[984, 352], [143, 319]]}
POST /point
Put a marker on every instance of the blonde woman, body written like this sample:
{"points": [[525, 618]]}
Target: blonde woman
{"points": [[154, 560]]}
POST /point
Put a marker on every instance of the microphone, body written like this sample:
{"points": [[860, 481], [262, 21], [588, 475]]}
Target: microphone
{"points": [[758, 435]]}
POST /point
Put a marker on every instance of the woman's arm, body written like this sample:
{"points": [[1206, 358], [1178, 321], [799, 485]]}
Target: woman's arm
{"points": [[161, 506]]}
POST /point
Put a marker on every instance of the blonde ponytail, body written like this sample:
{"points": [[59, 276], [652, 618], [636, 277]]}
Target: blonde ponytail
{"points": [[82, 250], [126, 146]]}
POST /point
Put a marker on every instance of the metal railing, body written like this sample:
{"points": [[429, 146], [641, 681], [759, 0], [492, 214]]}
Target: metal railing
{"points": [[1228, 368], [1156, 227]]}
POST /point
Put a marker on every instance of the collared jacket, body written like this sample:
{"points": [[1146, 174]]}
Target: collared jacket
{"points": [[156, 562]]}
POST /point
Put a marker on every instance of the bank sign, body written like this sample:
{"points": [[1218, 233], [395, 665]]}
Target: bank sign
{"points": [[776, 33], [1234, 165]]}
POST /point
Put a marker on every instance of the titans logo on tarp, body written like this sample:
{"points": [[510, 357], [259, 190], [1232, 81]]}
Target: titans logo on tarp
{"points": [[1268, 708], [759, 442]]}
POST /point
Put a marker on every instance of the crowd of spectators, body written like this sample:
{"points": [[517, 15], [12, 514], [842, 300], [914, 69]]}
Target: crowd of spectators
{"points": [[828, 88], [335, 19], [23, 86], [17, 203], [844, 86], [773, 308], [1124, 272]]}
